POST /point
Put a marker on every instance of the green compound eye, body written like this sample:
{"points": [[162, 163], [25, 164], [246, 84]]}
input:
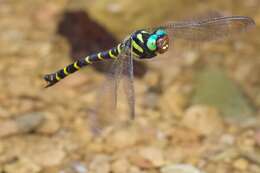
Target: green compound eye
{"points": [[160, 32], [151, 43]]}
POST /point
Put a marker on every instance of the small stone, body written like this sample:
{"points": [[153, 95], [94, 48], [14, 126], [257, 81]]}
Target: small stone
{"points": [[72, 167], [180, 168], [22, 166], [29, 122], [203, 119], [8, 128], [153, 155], [173, 101], [227, 139], [140, 162], [134, 169], [79, 167], [120, 166], [50, 125], [152, 79], [213, 87], [253, 156], [257, 137], [4, 113], [191, 58], [254, 168], [100, 164], [241, 164], [120, 139], [75, 167], [1, 148], [43, 151]]}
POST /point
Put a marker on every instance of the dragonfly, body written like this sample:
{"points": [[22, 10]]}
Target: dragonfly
{"points": [[149, 43]]}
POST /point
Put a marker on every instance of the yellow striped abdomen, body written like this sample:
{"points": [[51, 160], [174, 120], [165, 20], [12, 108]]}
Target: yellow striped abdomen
{"points": [[53, 78]]}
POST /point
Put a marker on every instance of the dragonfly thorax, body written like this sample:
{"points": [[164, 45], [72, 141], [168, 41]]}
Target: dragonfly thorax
{"points": [[147, 45]]}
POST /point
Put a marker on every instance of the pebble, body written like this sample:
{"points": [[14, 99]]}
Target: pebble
{"points": [[120, 139], [253, 156], [29, 122], [173, 101], [198, 117], [134, 169], [71, 167], [241, 164], [140, 162], [4, 113], [42, 151], [153, 155], [8, 128], [257, 138], [213, 87], [22, 166], [227, 139], [1, 148], [147, 158], [120, 166], [50, 126], [100, 164], [180, 168]]}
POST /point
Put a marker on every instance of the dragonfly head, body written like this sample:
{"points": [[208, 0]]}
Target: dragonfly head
{"points": [[158, 41]]}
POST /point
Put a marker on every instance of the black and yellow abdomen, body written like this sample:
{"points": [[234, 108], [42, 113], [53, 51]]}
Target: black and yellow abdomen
{"points": [[53, 78]]}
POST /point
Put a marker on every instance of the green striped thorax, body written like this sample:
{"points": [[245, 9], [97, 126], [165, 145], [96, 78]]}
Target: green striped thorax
{"points": [[158, 41]]}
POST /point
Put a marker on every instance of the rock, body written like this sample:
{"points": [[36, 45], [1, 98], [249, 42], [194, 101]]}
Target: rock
{"points": [[1, 148], [120, 139], [246, 141], [148, 157], [42, 151], [227, 139], [120, 166], [180, 168], [134, 169], [241, 164], [75, 167], [152, 78], [203, 119], [8, 128], [215, 89], [79, 167], [226, 155], [22, 124], [257, 137], [253, 156], [29, 122], [22, 166], [173, 101], [153, 155], [140, 162], [100, 164], [50, 126], [254, 168], [4, 113]]}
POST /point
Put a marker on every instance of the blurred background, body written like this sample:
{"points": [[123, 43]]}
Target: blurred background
{"points": [[198, 107]]}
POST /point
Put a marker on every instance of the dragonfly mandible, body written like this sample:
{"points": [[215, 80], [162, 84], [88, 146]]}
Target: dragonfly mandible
{"points": [[150, 43]]}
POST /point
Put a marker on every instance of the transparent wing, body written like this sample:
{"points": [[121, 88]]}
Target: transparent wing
{"points": [[128, 82], [102, 115], [209, 29]]}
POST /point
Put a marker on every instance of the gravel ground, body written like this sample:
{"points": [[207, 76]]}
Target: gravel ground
{"points": [[49, 130]]}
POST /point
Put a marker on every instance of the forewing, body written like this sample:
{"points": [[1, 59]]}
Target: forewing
{"points": [[209, 29], [107, 96], [128, 82]]}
